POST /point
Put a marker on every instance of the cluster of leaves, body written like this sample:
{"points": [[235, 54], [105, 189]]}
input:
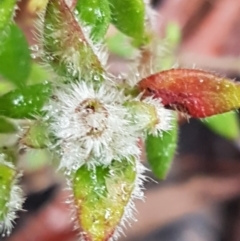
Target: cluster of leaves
{"points": [[71, 43]]}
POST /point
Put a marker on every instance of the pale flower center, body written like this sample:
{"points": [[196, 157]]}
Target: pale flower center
{"points": [[93, 116]]}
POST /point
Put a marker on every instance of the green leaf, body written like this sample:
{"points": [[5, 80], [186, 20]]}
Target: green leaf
{"points": [[225, 125], [160, 150], [15, 60], [137, 109], [6, 12], [101, 195], [66, 47], [37, 75], [25, 103], [128, 17], [7, 175], [11, 195], [6, 126], [94, 14]]}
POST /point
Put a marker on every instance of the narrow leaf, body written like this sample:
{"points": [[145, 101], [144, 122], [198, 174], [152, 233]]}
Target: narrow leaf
{"points": [[226, 125], [6, 178], [25, 103], [65, 44], [195, 92], [160, 150], [101, 196], [128, 17], [15, 61], [95, 15], [6, 126]]}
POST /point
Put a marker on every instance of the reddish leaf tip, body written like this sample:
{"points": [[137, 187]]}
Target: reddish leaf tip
{"points": [[195, 92]]}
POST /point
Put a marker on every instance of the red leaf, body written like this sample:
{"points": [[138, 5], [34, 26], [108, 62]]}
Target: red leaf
{"points": [[195, 92]]}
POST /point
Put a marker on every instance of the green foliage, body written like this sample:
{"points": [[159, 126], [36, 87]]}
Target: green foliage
{"points": [[128, 17], [6, 178], [26, 102], [225, 125], [160, 150], [102, 194], [65, 46], [6, 12], [38, 75], [15, 63], [94, 14], [71, 45]]}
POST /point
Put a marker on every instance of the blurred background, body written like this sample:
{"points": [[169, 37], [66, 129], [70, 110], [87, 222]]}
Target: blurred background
{"points": [[200, 199]]}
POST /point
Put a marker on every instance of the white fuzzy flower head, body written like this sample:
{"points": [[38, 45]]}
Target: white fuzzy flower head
{"points": [[11, 196], [91, 124]]}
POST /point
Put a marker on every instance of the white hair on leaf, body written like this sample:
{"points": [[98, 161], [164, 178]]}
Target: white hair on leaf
{"points": [[13, 201], [129, 210], [149, 115], [163, 117]]}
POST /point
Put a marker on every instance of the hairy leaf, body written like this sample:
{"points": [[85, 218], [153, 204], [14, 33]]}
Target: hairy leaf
{"points": [[6, 178], [195, 92], [25, 103], [65, 44], [11, 195], [101, 196], [160, 150]]}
